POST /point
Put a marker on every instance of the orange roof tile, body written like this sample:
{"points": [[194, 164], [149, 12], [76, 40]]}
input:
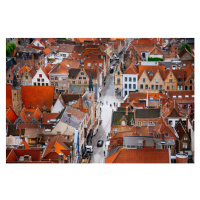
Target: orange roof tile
{"points": [[46, 51], [23, 69], [11, 116], [45, 72], [25, 144], [60, 68], [32, 72], [123, 155], [48, 116], [132, 69]]}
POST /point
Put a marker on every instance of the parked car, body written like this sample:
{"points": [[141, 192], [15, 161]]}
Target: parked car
{"points": [[89, 149], [100, 143]]}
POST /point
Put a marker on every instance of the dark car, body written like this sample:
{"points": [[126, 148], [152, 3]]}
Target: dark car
{"points": [[100, 143]]}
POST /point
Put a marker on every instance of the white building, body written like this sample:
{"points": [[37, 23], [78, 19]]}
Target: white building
{"points": [[41, 78], [130, 80]]}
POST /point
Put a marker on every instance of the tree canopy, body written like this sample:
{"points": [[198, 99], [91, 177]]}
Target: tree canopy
{"points": [[184, 45], [10, 48]]}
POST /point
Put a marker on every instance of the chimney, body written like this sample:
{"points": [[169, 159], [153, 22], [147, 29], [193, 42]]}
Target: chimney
{"points": [[127, 110], [80, 103], [53, 149], [60, 158]]}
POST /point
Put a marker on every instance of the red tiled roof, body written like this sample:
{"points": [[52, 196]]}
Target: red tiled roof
{"points": [[11, 116], [25, 144], [46, 51], [151, 69], [49, 116], [123, 155], [23, 69], [32, 72], [60, 68], [132, 69], [15, 154], [48, 68]]}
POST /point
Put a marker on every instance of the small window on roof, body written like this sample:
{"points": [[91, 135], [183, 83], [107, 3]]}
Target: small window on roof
{"points": [[186, 96], [151, 98], [174, 96], [89, 64], [179, 96]]}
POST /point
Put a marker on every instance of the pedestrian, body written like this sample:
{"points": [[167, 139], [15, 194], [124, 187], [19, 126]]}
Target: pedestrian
{"points": [[104, 153], [114, 103], [100, 94], [110, 105]]}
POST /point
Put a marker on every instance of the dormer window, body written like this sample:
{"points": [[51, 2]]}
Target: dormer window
{"points": [[89, 64], [179, 96], [82, 73], [151, 73], [156, 80], [123, 123], [166, 134], [179, 79]]}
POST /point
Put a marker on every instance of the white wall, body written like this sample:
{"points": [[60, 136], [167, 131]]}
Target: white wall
{"points": [[46, 80], [57, 107], [127, 82]]}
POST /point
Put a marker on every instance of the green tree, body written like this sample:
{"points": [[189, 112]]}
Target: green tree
{"points": [[184, 45], [10, 48]]}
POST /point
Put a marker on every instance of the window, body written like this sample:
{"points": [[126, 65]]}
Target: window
{"points": [[84, 77], [64, 55], [134, 86], [82, 73], [146, 87], [47, 84], [123, 123], [186, 87], [170, 122], [80, 77], [64, 79], [26, 77], [179, 79], [125, 86], [64, 85], [42, 84], [73, 82], [8, 81], [151, 98], [40, 75], [141, 86], [144, 123], [130, 86], [174, 96], [56, 84], [42, 80], [168, 87], [118, 81], [85, 82], [170, 80], [192, 96], [160, 87], [139, 123], [89, 64], [156, 87], [156, 80], [179, 96], [9, 75], [60, 78], [60, 84], [38, 80], [152, 87], [151, 73], [38, 84], [52, 84], [52, 78], [125, 78], [190, 87], [118, 73], [172, 87], [186, 96], [144, 80], [184, 145], [191, 81], [150, 123], [56, 78], [100, 64], [34, 83], [166, 134], [134, 79], [180, 87], [130, 79]]}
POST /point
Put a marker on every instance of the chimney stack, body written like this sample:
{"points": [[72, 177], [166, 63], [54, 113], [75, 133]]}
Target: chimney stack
{"points": [[127, 110], [60, 158]]}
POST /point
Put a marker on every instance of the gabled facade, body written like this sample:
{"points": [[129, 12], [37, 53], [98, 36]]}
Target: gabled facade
{"points": [[41, 78], [118, 80]]}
